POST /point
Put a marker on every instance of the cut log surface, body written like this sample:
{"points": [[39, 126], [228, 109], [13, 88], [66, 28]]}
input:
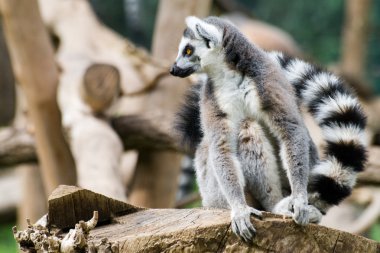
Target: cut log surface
{"points": [[70, 204], [193, 230]]}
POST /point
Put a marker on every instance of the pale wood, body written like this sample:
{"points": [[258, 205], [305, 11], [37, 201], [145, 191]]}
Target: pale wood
{"points": [[96, 147], [17, 146], [101, 86], [70, 204], [371, 174], [34, 66], [156, 180], [200, 230], [10, 182], [147, 132], [33, 202], [170, 23]]}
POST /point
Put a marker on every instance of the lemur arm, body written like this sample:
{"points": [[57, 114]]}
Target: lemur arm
{"points": [[225, 165]]}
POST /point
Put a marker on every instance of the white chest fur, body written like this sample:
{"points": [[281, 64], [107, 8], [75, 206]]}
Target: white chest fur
{"points": [[237, 96]]}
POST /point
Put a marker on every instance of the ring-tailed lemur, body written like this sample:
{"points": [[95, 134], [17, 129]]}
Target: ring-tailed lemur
{"points": [[249, 96]]}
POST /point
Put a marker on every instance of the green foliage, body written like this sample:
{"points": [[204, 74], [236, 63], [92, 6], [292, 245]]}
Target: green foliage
{"points": [[133, 19], [317, 27], [7, 242], [374, 232], [373, 72]]}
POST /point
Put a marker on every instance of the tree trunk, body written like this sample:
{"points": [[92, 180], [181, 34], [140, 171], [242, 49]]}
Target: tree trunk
{"points": [[34, 66], [355, 44], [33, 204], [7, 83], [156, 179]]}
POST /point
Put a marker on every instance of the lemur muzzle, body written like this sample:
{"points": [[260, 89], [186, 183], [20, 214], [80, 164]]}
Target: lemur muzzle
{"points": [[180, 72]]}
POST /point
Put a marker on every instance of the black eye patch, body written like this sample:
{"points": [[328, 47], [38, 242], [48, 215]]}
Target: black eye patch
{"points": [[207, 42], [188, 50]]}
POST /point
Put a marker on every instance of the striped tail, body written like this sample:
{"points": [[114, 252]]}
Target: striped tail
{"points": [[338, 112], [188, 122]]}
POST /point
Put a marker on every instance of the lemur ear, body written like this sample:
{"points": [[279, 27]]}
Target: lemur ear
{"points": [[205, 31]]}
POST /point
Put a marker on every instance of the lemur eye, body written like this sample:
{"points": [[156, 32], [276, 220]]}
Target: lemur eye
{"points": [[188, 50]]}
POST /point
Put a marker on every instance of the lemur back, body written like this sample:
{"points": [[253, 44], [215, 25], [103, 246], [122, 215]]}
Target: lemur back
{"points": [[252, 88]]}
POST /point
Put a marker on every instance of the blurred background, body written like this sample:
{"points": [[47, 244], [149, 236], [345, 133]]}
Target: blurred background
{"points": [[86, 98]]}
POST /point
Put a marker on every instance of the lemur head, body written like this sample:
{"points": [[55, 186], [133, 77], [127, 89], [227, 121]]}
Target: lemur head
{"points": [[200, 43]]}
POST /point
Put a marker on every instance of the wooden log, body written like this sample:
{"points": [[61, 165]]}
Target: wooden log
{"points": [[138, 74], [70, 204], [146, 132], [87, 89], [17, 146], [33, 203], [34, 66], [101, 86], [198, 230]]}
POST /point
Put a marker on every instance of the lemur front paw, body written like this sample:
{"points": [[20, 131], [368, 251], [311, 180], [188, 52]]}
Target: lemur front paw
{"points": [[300, 210], [241, 222]]}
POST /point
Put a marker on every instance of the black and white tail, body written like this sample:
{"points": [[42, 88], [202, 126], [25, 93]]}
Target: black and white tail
{"points": [[338, 112], [188, 122]]}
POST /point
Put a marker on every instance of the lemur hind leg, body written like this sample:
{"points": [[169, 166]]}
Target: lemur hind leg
{"points": [[259, 165], [284, 207]]}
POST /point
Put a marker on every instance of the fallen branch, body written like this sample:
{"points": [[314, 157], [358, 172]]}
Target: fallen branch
{"points": [[146, 132], [16, 146]]}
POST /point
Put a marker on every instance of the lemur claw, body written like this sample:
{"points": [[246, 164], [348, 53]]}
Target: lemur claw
{"points": [[241, 223]]}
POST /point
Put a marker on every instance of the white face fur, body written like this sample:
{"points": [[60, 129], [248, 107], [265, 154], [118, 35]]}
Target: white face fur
{"points": [[195, 51]]}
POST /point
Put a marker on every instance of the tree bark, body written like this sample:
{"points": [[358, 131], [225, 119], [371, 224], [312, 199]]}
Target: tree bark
{"points": [[34, 66]]}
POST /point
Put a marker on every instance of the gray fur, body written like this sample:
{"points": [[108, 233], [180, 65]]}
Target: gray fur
{"points": [[274, 91], [188, 33]]}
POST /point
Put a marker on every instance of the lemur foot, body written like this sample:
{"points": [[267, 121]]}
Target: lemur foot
{"points": [[306, 214], [315, 215], [241, 222]]}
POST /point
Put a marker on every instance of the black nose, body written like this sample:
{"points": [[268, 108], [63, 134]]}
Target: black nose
{"points": [[172, 69]]}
